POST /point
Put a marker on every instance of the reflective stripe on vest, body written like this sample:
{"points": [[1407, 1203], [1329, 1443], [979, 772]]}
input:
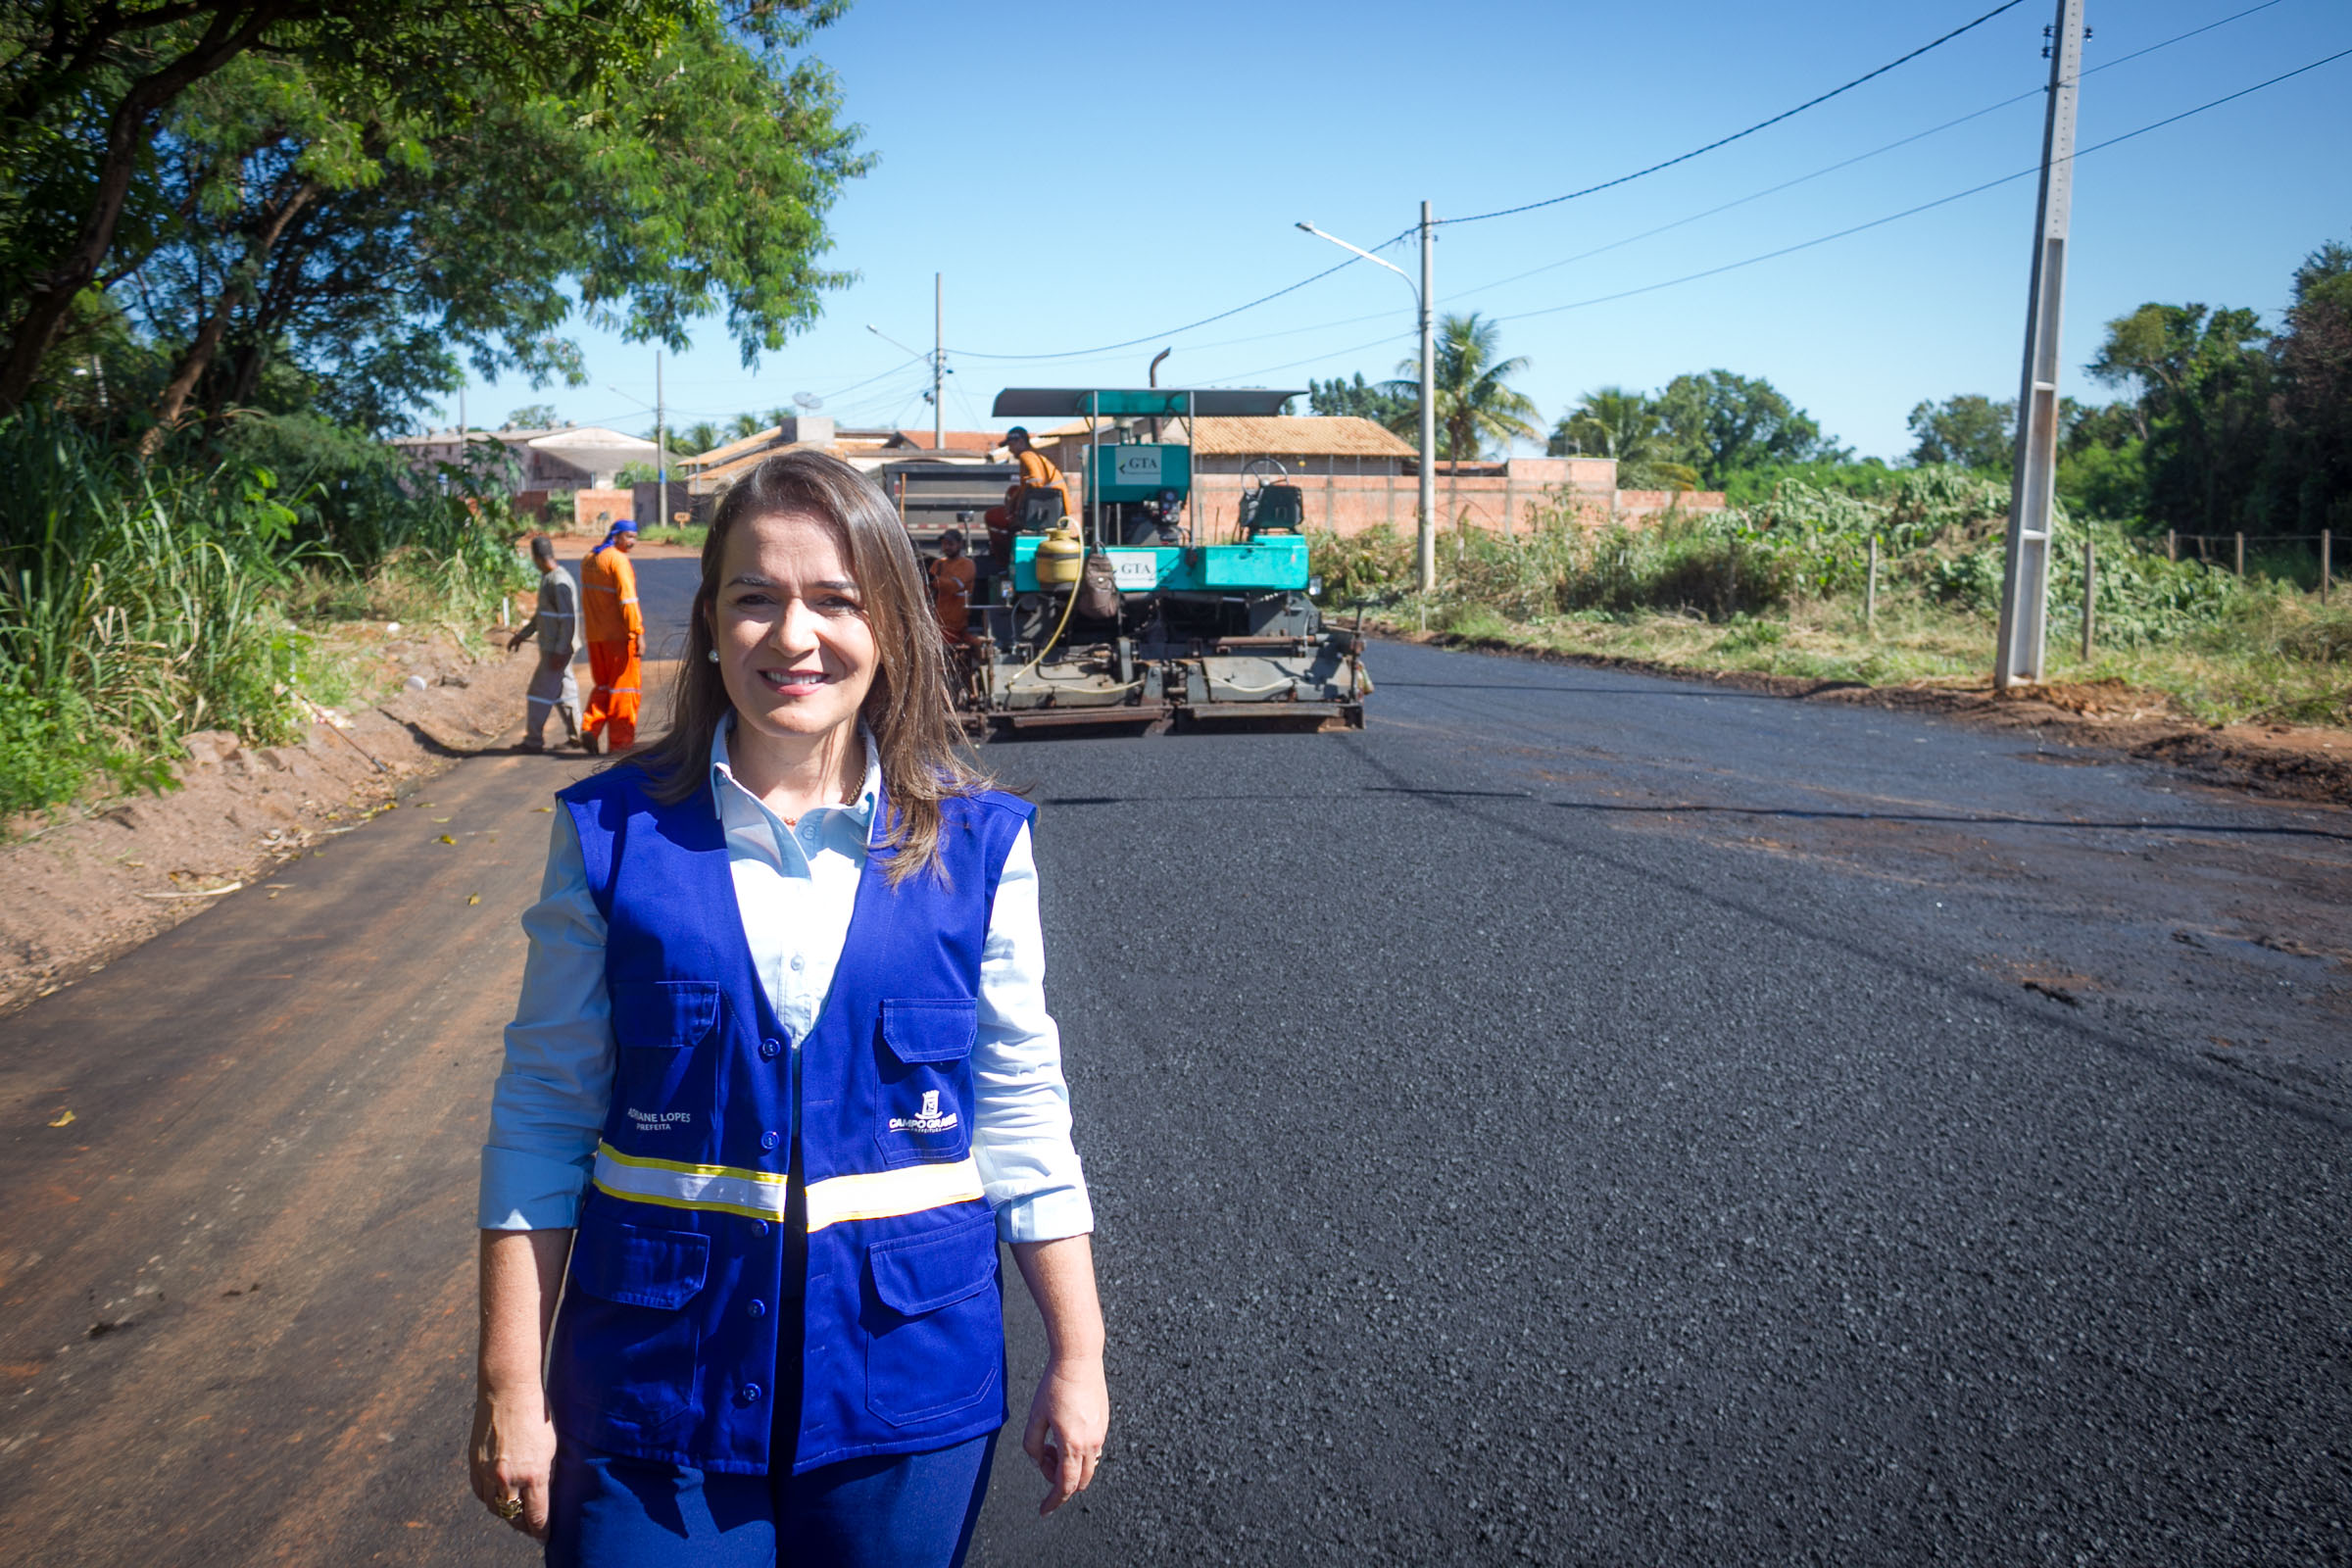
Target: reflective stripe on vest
{"points": [[759, 1195], [728, 1189]]}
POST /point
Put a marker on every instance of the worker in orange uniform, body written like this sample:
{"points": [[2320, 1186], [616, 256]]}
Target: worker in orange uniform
{"points": [[615, 629], [1037, 478], [952, 578]]}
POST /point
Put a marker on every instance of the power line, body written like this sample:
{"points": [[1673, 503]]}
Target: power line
{"points": [[1726, 141], [1352, 320], [1824, 239], [1137, 342], [1847, 163], [871, 379], [1149, 337], [1940, 201]]}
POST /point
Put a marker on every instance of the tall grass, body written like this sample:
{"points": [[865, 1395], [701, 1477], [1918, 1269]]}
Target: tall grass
{"points": [[1784, 577], [142, 602]]}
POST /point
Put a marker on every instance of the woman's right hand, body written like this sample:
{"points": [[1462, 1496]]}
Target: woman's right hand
{"points": [[513, 1456]]}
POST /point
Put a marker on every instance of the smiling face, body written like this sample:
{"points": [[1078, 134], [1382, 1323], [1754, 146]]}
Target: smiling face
{"points": [[795, 650]]}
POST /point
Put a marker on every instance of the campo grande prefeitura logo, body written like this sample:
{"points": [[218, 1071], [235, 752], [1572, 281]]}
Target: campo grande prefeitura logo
{"points": [[929, 1119]]}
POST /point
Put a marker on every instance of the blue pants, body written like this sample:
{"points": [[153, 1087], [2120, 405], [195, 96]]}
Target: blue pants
{"points": [[912, 1510]]}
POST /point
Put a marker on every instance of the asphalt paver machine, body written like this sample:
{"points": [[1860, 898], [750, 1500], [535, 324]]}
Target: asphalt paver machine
{"points": [[1146, 610]]}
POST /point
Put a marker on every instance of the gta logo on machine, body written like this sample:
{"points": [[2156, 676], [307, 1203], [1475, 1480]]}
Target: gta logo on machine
{"points": [[929, 1119]]}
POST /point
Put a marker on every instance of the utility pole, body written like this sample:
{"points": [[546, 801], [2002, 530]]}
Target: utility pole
{"points": [[661, 450], [1425, 549], [2025, 576], [939, 361]]}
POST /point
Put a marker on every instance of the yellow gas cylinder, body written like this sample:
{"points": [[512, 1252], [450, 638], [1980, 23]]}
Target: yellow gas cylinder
{"points": [[1061, 557]]}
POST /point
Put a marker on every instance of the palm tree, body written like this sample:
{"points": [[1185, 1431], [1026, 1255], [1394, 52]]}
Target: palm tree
{"points": [[1613, 421], [698, 438], [1474, 403]]}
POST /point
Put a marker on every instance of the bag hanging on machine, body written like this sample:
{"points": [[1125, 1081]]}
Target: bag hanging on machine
{"points": [[1098, 588]]}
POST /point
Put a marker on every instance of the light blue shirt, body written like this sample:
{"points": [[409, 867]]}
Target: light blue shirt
{"points": [[795, 886]]}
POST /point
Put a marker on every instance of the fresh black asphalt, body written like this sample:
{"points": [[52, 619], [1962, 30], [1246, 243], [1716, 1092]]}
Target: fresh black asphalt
{"points": [[1589, 1118], [1581, 1118]]}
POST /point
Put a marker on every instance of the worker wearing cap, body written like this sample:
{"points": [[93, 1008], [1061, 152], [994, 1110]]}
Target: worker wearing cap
{"points": [[1037, 475], [615, 632]]}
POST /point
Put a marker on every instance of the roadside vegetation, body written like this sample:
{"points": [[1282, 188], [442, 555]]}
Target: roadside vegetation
{"points": [[1780, 588], [240, 246], [143, 601], [2222, 429]]}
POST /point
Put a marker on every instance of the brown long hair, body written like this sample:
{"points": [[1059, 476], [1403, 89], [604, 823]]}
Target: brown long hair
{"points": [[922, 759]]}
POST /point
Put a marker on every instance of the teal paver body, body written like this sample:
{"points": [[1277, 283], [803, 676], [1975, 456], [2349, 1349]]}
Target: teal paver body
{"points": [[1268, 564]]}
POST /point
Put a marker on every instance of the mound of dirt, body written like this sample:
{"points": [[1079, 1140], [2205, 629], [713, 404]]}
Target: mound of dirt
{"points": [[84, 890]]}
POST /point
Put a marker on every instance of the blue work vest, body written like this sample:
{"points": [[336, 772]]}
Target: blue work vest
{"points": [[666, 1345]]}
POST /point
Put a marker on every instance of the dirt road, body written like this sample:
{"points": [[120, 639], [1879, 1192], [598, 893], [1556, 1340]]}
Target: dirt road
{"points": [[236, 1288], [237, 1327]]}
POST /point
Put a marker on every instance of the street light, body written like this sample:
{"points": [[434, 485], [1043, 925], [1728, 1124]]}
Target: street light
{"points": [[1425, 552]]}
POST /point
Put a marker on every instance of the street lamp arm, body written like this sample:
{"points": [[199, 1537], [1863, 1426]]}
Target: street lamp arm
{"points": [[894, 342], [1424, 543], [1365, 254]]}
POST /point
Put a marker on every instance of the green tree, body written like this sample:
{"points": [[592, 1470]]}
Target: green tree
{"points": [[2100, 469], [1398, 412], [1614, 421], [531, 417], [2310, 485], [84, 85], [698, 438], [1970, 431], [1475, 404], [1734, 424], [2201, 382], [361, 250]]}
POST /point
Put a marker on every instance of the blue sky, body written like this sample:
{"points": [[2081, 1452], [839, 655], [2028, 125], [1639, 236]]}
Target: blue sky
{"points": [[1085, 176]]}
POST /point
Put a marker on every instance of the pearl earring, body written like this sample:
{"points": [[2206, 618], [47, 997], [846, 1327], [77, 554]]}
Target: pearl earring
{"points": [[712, 654]]}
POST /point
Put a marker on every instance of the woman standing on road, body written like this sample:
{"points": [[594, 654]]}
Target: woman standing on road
{"points": [[781, 1077]]}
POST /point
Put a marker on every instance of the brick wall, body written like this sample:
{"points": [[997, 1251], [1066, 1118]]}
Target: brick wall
{"points": [[587, 506], [1345, 504]]}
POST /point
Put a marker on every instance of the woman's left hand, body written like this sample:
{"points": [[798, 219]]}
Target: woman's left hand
{"points": [[1067, 1423]]}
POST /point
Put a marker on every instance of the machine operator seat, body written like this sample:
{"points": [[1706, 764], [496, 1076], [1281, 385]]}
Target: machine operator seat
{"points": [[1276, 509], [1041, 511]]}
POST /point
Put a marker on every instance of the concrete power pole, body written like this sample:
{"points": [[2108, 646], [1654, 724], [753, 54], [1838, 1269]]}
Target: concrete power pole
{"points": [[661, 450], [2026, 579], [1425, 547], [939, 361]]}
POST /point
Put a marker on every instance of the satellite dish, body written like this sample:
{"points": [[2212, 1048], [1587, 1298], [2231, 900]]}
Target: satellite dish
{"points": [[808, 400]]}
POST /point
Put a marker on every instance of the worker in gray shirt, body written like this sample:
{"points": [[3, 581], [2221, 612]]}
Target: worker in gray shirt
{"points": [[558, 626]]}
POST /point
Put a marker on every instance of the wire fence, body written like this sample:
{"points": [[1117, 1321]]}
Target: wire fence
{"points": [[2228, 550]]}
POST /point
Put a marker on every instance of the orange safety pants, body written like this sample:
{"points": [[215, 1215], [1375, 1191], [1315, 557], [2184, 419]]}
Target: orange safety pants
{"points": [[613, 704]]}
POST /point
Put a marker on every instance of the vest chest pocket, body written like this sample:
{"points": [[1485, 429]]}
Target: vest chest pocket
{"points": [[926, 1078], [655, 1023], [624, 1363], [935, 1344]]}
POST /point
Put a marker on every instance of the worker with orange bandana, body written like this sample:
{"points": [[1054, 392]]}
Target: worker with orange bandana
{"points": [[614, 630]]}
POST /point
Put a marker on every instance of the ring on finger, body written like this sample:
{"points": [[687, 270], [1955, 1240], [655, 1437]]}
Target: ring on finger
{"points": [[508, 1509]]}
